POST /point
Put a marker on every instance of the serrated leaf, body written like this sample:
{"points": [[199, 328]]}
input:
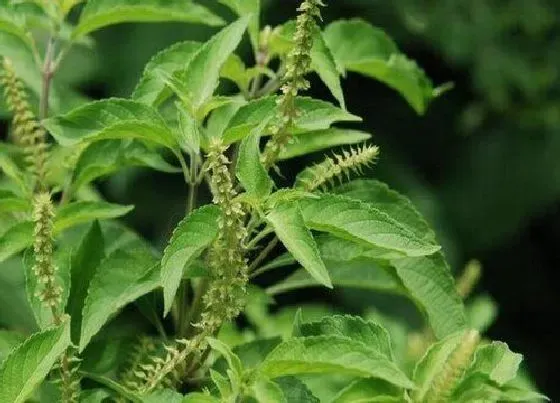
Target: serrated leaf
{"points": [[250, 8], [496, 361], [84, 211], [313, 115], [85, 261], [112, 118], [369, 391], [321, 139], [249, 169], [370, 334], [189, 239], [361, 273], [429, 282], [331, 354], [203, 71], [62, 261], [101, 13], [360, 222], [122, 277], [29, 363], [16, 239], [360, 47], [151, 89], [289, 226]]}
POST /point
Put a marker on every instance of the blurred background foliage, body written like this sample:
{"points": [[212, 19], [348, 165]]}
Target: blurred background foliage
{"points": [[483, 164]]}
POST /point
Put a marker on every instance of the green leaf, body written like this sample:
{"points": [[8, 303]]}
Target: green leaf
{"points": [[198, 397], [8, 341], [107, 156], [295, 391], [322, 62], [195, 233], [249, 169], [112, 118], [496, 361], [289, 226], [359, 47], [10, 203], [84, 211], [85, 261], [233, 360], [188, 134], [16, 239], [394, 204], [322, 139], [115, 386], [163, 396], [429, 282], [369, 391], [203, 71], [331, 354], [361, 222], [151, 89], [100, 13], [9, 167], [370, 334], [361, 273], [251, 8], [313, 115], [29, 364], [122, 277], [62, 261], [266, 391]]}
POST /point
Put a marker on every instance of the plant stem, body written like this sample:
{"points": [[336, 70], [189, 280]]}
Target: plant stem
{"points": [[48, 73], [264, 253]]}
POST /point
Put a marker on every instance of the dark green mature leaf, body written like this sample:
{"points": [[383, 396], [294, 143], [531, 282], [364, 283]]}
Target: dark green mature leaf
{"points": [[314, 115], [361, 222], [295, 391], [250, 171], [12, 294], [62, 261], [328, 354], [322, 139], [368, 333], [111, 119], [203, 71], [151, 89], [122, 277], [107, 156], [189, 239], [100, 13], [250, 8], [29, 364], [369, 391], [394, 204], [84, 264], [359, 47], [362, 273], [15, 239], [429, 282], [84, 211], [289, 226]]}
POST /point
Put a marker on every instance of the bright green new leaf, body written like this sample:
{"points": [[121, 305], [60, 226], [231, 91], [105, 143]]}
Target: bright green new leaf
{"points": [[108, 156], [250, 8], [84, 211], [311, 142], [197, 397], [85, 261], [249, 169], [429, 282], [151, 89], [189, 239], [369, 391], [202, 74], [331, 354], [289, 226], [313, 115], [359, 47], [496, 361], [28, 365], [100, 13], [111, 119], [15, 239], [361, 222], [368, 333], [62, 262], [266, 391], [188, 135], [122, 277]]}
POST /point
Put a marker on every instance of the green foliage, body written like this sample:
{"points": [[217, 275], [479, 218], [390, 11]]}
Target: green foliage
{"points": [[92, 284]]}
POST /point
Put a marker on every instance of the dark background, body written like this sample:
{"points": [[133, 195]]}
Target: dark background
{"points": [[483, 164]]}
